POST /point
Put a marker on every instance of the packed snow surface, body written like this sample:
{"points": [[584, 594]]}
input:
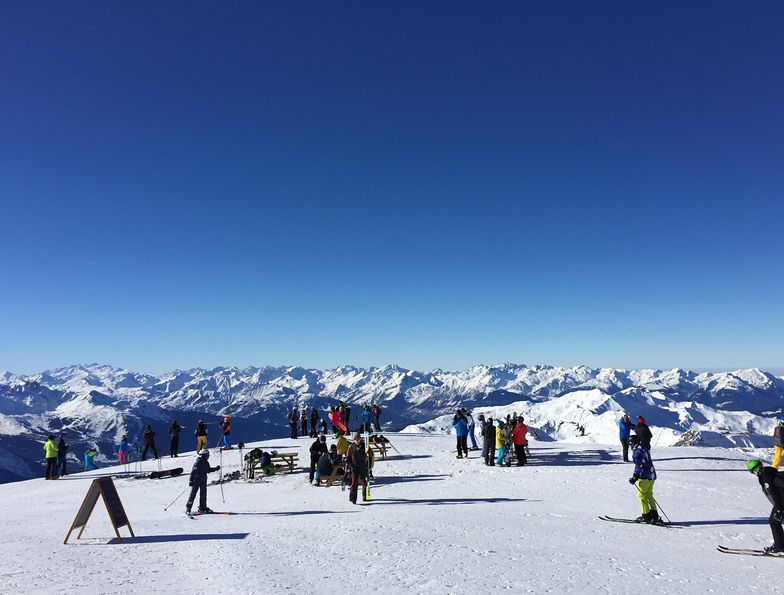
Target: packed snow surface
{"points": [[434, 525]]}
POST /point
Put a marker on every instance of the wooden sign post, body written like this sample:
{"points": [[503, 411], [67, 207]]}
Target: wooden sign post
{"points": [[104, 487]]}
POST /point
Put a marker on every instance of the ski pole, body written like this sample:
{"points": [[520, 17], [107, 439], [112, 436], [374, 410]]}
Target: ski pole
{"points": [[220, 479], [177, 498]]}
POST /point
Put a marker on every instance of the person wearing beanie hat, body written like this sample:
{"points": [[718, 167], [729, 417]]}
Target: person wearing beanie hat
{"points": [[644, 432], [174, 443], [357, 467], [772, 484]]}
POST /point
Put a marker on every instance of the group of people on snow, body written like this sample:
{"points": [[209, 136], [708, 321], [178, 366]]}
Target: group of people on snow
{"points": [[503, 438]]}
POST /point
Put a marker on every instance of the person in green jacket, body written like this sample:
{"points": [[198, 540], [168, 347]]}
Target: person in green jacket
{"points": [[51, 458]]}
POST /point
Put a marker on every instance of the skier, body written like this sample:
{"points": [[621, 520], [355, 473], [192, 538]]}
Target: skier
{"points": [[174, 445], [778, 443], [357, 467], [644, 478], [318, 448], [201, 435], [461, 431], [471, 428], [62, 449], [123, 451], [51, 457], [625, 427], [772, 483], [519, 438], [88, 459], [149, 442], [644, 432], [198, 481], [225, 425]]}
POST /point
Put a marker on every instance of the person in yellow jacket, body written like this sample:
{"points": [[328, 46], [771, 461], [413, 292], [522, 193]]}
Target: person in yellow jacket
{"points": [[342, 445], [501, 442], [50, 448], [778, 443]]}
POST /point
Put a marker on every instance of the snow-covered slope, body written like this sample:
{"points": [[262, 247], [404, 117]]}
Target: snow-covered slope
{"points": [[95, 404], [434, 525]]}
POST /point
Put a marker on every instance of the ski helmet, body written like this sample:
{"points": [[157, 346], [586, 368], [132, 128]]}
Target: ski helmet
{"points": [[754, 466], [204, 452]]}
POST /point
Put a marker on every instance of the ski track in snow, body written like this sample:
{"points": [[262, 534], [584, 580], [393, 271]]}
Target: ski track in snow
{"points": [[434, 525]]}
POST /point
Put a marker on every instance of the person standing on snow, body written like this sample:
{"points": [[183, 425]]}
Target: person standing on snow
{"points": [[303, 422], [174, 444], [62, 449], [488, 452], [772, 483], [314, 420], [367, 419], [198, 481], [461, 431], [318, 448], [357, 466], [471, 428], [149, 442], [778, 443], [376, 414], [201, 435], [644, 432], [50, 448], [88, 459], [644, 478], [625, 427], [123, 450], [293, 418], [519, 437], [225, 425]]}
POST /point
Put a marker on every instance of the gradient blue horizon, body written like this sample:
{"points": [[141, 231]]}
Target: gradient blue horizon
{"points": [[434, 185]]}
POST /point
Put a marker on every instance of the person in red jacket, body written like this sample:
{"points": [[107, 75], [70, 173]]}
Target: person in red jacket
{"points": [[519, 433]]}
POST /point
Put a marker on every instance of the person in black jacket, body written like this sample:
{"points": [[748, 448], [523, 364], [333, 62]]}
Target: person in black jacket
{"points": [[62, 450], [314, 420], [357, 466], [318, 448], [644, 432], [198, 481], [772, 483], [174, 445], [149, 442]]}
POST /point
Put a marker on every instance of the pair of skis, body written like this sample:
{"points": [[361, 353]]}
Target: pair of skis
{"points": [[635, 522], [748, 552]]}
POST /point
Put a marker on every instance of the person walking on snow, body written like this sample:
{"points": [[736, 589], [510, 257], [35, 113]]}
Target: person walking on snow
{"points": [[778, 443], [50, 448], [303, 422], [519, 434], [198, 481], [644, 478], [772, 483], [62, 450], [357, 466], [461, 431], [625, 427], [174, 444], [225, 425]]}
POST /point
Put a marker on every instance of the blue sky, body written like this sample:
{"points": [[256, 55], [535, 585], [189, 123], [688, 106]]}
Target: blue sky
{"points": [[429, 184]]}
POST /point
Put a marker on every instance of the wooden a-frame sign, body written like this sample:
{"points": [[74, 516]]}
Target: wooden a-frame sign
{"points": [[104, 487]]}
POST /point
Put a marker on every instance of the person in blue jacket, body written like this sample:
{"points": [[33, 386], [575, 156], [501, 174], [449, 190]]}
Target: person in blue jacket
{"points": [[460, 424], [367, 418], [625, 427], [644, 478], [88, 459]]}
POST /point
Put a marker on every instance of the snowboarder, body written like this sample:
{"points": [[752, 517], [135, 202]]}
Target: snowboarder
{"points": [[461, 431], [778, 443], [772, 483], [89, 455], [198, 481], [357, 467], [625, 427], [644, 432], [51, 457], [519, 438], [225, 425], [123, 451], [318, 448], [201, 435], [149, 442], [62, 449], [174, 445], [644, 478]]}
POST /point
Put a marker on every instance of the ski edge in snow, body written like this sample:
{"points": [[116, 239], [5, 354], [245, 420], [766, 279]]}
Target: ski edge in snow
{"points": [[746, 552]]}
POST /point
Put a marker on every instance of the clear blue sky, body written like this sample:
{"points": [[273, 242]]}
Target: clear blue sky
{"points": [[430, 184]]}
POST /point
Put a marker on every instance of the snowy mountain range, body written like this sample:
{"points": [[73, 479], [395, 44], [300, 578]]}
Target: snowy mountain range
{"points": [[95, 404]]}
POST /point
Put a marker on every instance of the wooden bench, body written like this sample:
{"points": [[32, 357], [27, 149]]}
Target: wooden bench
{"points": [[338, 473], [285, 459], [381, 448]]}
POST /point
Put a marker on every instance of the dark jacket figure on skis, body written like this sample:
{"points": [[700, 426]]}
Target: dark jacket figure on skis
{"points": [[644, 478], [174, 445], [318, 448], [772, 483], [644, 433], [198, 481], [357, 467], [149, 442]]}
